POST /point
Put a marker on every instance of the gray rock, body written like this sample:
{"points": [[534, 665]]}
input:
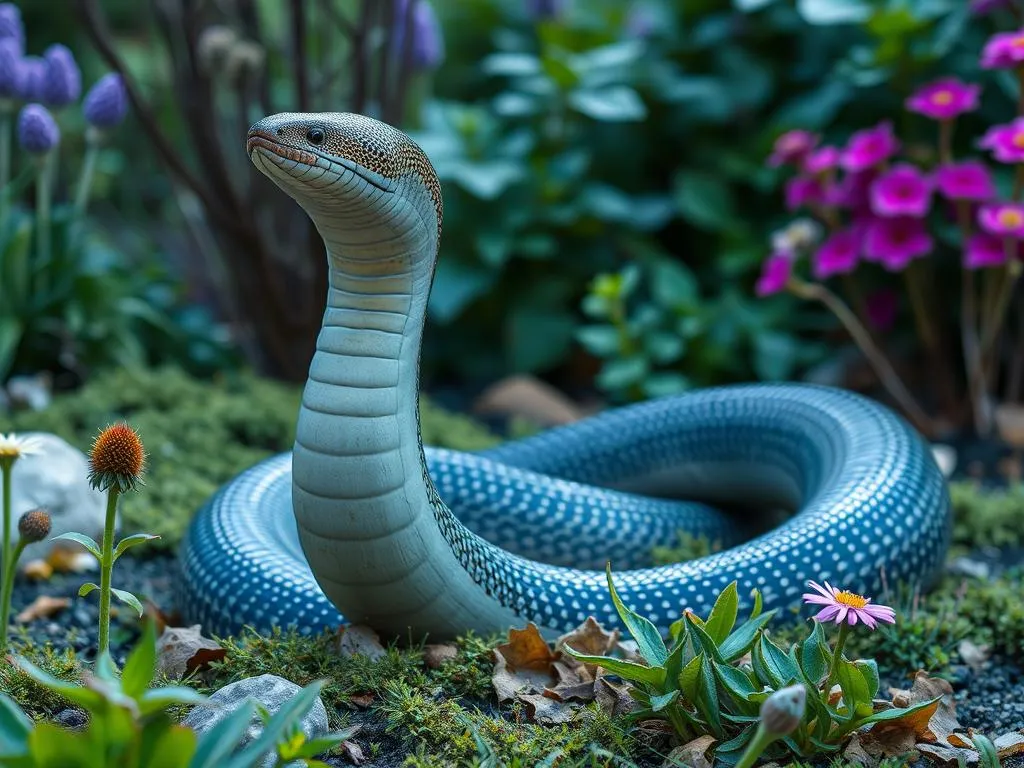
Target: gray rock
{"points": [[269, 690], [56, 479]]}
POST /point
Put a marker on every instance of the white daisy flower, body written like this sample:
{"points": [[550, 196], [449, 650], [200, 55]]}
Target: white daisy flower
{"points": [[13, 447]]}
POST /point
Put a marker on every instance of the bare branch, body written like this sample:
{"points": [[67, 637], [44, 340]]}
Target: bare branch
{"points": [[298, 18]]}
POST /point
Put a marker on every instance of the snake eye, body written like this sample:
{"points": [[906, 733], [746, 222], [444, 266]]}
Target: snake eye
{"points": [[315, 136]]}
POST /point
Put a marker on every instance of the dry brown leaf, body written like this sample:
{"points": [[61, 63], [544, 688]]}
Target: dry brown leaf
{"points": [[509, 682], [362, 700], [545, 710], [526, 649], [69, 558], [613, 698], [692, 754], [183, 650], [530, 398], [931, 724], [42, 607], [358, 640], [1010, 744], [353, 752], [589, 638], [436, 655], [974, 656], [37, 570], [948, 757], [868, 748]]}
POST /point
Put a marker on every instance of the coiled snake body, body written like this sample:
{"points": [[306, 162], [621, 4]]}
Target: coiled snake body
{"points": [[360, 523]]}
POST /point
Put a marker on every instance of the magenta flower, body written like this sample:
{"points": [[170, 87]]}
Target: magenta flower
{"points": [[983, 7], [1003, 219], [838, 255], [903, 191], [1004, 50], [984, 251], [775, 273], [802, 190], [853, 191], [970, 180], [792, 147], [881, 308], [896, 242], [870, 147], [944, 99], [819, 161], [841, 606], [1005, 141]]}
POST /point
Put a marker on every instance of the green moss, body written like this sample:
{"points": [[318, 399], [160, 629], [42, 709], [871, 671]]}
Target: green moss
{"points": [[986, 517], [199, 434], [35, 700], [690, 547]]}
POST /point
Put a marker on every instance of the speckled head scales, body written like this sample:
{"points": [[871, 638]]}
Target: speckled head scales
{"points": [[368, 143]]}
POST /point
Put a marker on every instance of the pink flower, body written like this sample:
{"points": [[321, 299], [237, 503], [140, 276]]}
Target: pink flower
{"points": [[775, 274], [882, 307], [903, 191], [870, 147], [801, 190], [982, 7], [792, 147], [944, 99], [970, 180], [853, 191], [1004, 219], [984, 251], [1005, 141], [841, 606], [1004, 50], [896, 242], [820, 160], [838, 255]]}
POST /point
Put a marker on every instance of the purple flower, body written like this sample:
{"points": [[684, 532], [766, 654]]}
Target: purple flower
{"points": [[983, 7], [37, 131], [984, 251], [32, 84], [427, 40], [854, 191], [791, 148], [870, 147], [882, 307], [10, 68], [969, 180], [1004, 50], [775, 273], [944, 99], [540, 10], [106, 103], [802, 190], [903, 191], [820, 160], [895, 242], [11, 27], [847, 607], [1003, 219], [1005, 141], [839, 254], [63, 78]]}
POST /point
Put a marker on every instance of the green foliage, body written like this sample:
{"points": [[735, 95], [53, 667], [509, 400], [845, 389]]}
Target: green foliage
{"points": [[698, 684], [987, 517], [35, 699], [129, 725], [199, 434], [994, 608]]}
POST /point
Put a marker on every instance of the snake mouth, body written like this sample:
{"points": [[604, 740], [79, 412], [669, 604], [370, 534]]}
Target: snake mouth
{"points": [[260, 140]]}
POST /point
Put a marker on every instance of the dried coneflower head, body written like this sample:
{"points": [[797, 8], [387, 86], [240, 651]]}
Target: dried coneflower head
{"points": [[34, 526], [117, 459]]}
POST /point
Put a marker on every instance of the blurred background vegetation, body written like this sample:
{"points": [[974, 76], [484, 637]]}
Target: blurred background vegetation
{"points": [[607, 203]]}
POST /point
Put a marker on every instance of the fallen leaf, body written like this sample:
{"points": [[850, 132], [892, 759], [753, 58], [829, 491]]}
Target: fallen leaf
{"points": [[358, 640], [974, 656], [1010, 744], [353, 752], [508, 682], [526, 649], [589, 638], [545, 710], [613, 698], [530, 398], [870, 747], [931, 724], [692, 754], [183, 650], [43, 607], [64, 559], [948, 757], [436, 655], [362, 700], [37, 570]]}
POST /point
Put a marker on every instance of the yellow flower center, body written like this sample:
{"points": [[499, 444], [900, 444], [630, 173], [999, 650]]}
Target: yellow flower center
{"points": [[850, 599], [1018, 139], [942, 97], [1010, 218], [1018, 41]]}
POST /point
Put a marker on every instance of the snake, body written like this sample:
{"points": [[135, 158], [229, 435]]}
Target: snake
{"points": [[361, 524]]}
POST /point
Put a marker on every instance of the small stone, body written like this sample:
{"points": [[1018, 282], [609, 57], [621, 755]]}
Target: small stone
{"points": [[436, 655], [270, 691], [945, 457], [71, 718]]}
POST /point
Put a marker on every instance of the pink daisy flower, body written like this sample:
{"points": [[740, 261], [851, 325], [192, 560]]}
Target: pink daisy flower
{"points": [[969, 180], [902, 191], [792, 147], [821, 160], [896, 242], [838, 255], [852, 608], [1005, 141], [870, 147], [1004, 219], [1004, 50], [803, 190], [944, 99], [984, 251]]}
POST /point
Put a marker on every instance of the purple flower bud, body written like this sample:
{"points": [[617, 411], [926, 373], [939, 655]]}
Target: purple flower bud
{"points": [[37, 131], [540, 10], [32, 84], [63, 78], [10, 68], [106, 103], [427, 39], [11, 27]]}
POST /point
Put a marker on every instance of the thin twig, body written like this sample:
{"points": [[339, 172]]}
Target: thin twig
{"points": [[298, 19]]}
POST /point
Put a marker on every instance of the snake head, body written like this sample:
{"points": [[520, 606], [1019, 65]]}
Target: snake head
{"points": [[346, 165]]}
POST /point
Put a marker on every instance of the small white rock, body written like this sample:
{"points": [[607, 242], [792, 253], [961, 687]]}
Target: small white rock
{"points": [[945, 457]]}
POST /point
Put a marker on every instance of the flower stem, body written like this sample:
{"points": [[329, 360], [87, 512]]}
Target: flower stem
{"points": [[43, 183], [6, 129], [969, 338], [837, 655], [946, 140], [6, 467], [883, 368], [10, 569], [1001, 304], [84, 187], [756, 747], [106, 567]]}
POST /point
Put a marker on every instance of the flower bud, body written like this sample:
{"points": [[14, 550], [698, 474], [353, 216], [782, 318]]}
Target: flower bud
{"points": [[782, 712], [63, 78], [37, 131], [32, 80], [427, 51], [34, 526], [106, 103], [11, 27], [117, 458], [214, 44], [10, 68]]}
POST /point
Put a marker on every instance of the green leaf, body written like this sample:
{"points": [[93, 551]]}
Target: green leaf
{"points": [[728, 752], [141, 664], [829, 12], [621, 373], [743, 638], [15, 728], [705, 200], [601, 340], [723, 615], [659, 703], [701, 639], [456, 284], [815, 655], [855, 687], [689, 678], [132, 541], [673, 284], [219, 742], [883, 716], [86, 588], [128, 599], [86, 698], [648, 639], [537, 337], [737, 684], [749, 6], [772, 664], [617, 103], [82, 539], [169, 749], [511, 64], [627, 670], [707, 698], [869, 668], [156, 699]]}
